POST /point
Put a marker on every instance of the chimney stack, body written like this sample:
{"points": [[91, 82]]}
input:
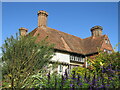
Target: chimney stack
{"points": [[96, 31], [42, 18], [23, 31]]}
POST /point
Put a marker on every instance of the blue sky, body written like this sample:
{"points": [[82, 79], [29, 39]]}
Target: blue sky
{"points": [[74, 18]]}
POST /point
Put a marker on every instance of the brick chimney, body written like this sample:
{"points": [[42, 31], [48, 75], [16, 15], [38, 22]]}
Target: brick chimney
{"points": [[96, 31], [42, 18], [23, 31]]}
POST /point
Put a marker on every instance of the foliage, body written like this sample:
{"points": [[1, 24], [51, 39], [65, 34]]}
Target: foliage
{"points": [[81, 71], [106, 67], [104, 74], [25, 65], [40, 79], [22, 57]]}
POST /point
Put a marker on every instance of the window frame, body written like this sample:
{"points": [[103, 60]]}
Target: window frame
{"points": [[77, 58], [60, 68], [107, 41]]}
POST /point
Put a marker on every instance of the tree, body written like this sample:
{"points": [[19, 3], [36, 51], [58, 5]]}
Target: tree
{"points": [[22, 57]]}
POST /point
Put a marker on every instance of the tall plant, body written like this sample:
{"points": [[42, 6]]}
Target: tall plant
{"points": [[22, 57]]}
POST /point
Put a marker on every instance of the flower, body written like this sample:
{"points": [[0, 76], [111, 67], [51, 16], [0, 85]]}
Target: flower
{"points": [[9, 85], [102, 86], [80, 84], [108, 85], [9, 75], [101, 63], [110, 78], [71, 85]]}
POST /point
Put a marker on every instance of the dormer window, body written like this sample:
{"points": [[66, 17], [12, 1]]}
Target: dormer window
{"points": [[107, 41]]}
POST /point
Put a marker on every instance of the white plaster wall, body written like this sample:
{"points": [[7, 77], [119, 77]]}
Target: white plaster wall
{"points": [[61, 57], [64, 68]]}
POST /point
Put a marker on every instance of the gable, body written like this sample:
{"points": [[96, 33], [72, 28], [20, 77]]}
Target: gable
{"points": [[106, 44]]}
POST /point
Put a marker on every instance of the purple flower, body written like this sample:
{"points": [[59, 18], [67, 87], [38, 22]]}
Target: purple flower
{"points": [[107, 85], [71, 85], [102, 86], [90, 83], [110, 78], [80, 84], [99, 78], [118, 70], [104, 70], [85, 80], [96, 80], [32, 89]]}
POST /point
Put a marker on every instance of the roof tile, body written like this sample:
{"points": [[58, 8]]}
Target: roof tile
{"points": [[67, 42]]}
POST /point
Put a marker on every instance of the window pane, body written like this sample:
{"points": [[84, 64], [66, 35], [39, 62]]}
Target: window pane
{"points": [[60, 68]]}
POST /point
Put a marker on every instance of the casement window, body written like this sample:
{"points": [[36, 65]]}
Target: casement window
{"points": [[77, 58], [82, 59], [60, 68], [107, 41], [107, 51]]}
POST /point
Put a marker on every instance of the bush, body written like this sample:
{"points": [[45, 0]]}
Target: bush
{"points": [[105, 74]]}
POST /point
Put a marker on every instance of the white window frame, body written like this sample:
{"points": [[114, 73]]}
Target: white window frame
{"points": [[107, 41]]}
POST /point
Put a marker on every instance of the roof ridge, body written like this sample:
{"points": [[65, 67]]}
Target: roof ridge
{"points": [[65, 33], [87, 37]]}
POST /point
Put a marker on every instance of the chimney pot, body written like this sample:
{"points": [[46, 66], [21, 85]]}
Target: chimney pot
{"points": [[96, 31], [23, 31], [42, 18]]}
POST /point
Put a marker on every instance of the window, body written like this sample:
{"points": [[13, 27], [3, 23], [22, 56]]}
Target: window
{"points": [[76, 58], [105, 50], [108, 51], [60, 68], [70, 57], [107, 41], [83, 59]]}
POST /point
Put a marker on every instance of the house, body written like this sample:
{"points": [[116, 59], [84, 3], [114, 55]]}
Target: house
{"points": [[70, 50]]}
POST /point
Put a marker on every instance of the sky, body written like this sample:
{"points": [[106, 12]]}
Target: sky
{"points": [[76, 18]]}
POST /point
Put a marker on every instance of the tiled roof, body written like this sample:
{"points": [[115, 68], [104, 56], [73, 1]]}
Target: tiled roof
{"points": [[67, 42], [93, 44]]}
